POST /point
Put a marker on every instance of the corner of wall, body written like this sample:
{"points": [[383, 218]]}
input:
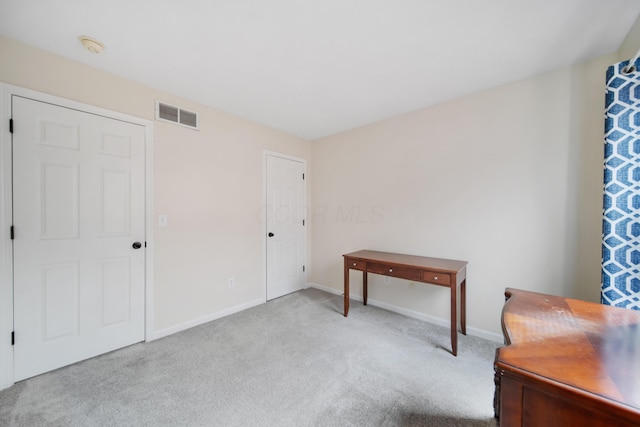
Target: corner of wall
{"points": [[631, 43]]}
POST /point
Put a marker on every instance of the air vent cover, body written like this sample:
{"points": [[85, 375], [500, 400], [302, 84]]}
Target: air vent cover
{"points": [[171, 113]]}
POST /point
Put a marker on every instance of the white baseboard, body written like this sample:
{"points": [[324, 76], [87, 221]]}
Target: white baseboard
{"points": [[204, 319], [325, 288], [491, 336]]}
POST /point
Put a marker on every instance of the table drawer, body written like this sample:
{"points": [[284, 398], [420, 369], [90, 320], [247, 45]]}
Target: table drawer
{"points": [[436, 278], [400, 272], [355, 264]]}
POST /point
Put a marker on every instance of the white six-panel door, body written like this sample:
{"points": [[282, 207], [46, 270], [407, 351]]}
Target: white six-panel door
{"points": [[286, 211], [78, 209]]}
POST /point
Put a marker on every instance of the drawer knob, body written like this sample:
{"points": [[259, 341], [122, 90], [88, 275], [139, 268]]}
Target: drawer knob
{"points": [[354, 264], [391, 270], [435, 277]]}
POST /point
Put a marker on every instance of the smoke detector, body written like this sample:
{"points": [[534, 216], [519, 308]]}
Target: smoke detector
{"points": [[92, 45]]}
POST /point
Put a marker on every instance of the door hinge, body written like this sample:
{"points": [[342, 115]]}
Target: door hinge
{"points": [[10, 125], [303, 222], [303, 176], [145, 244], [12, 232], [303, 268], [13, 338]]}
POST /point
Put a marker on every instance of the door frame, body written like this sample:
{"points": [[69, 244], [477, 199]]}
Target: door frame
{"points": [[263, 214], [6, 247]]}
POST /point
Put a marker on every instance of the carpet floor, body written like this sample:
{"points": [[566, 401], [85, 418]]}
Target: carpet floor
{"points": [[294, 361]]}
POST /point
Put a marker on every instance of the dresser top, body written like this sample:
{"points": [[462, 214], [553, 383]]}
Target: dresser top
{"points": [[585, 346]]}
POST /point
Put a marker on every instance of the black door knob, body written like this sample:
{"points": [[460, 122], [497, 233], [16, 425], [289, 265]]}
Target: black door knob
{"points": [[270, 234], [136, 245]]}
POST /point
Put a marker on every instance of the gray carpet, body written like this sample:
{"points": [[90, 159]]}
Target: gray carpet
{"points": [[295, 361]]}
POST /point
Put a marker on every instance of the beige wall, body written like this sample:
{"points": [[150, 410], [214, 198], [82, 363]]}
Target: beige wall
{"points": [[509, 179], [208, 182]]}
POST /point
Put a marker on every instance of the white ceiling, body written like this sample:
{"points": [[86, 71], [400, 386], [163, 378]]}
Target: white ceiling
{"points": [[318, 67]]}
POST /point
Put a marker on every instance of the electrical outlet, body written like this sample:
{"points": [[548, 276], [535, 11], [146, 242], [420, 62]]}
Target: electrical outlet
{"points": [[231, 282]]}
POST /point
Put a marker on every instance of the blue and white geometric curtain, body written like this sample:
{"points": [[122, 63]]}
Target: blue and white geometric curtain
{"points": [[621, 222]]}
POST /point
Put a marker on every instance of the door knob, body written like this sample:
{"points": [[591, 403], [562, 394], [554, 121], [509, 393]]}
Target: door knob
{"points": [[136, 245], [270, 234]]}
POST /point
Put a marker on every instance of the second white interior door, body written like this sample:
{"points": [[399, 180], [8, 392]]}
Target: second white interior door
{"points": [[286, 235]]}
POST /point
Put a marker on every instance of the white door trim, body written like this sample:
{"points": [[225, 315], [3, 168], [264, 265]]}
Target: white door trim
{"points": [[6, 264], [263, 213]]}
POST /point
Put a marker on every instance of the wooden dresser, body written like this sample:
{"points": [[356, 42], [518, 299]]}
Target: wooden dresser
{"points": [[567, 363]]}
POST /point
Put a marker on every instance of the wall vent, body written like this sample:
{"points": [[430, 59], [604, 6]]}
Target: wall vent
{"points": [[171, 113]]}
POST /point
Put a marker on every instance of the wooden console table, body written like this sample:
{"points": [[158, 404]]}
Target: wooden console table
{"points": [[567, 363], [436, 271]]}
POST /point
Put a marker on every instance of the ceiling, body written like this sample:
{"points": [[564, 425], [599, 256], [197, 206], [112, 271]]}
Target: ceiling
{"points": [[314, 68]]}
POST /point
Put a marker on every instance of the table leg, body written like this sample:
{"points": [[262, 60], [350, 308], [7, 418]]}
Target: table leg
{"points": [[463, 306], [346, 289], [454, 320], [365, 287]]}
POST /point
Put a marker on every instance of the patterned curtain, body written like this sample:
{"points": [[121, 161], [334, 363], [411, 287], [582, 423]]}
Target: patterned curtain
{"points": [[621, 222]]}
